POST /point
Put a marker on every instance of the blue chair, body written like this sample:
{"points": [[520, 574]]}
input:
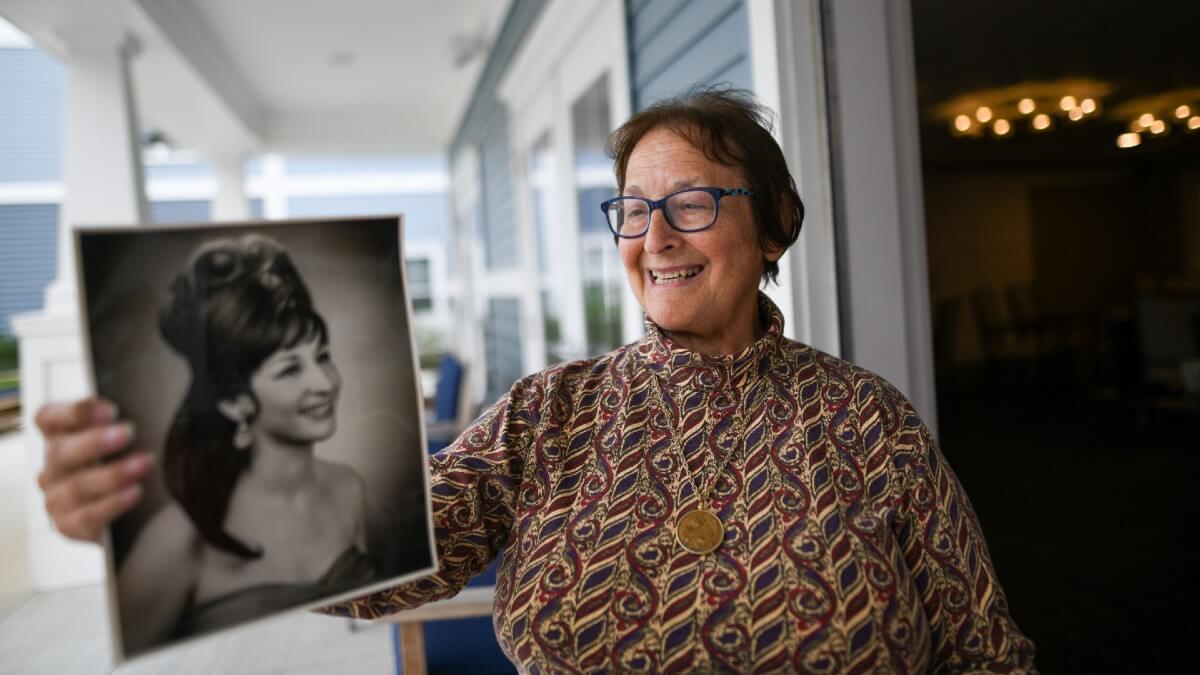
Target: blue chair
{"points": [[451, 405]]}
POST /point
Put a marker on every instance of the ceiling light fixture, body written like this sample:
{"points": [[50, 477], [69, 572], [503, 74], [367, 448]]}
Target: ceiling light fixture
{"points": [[1183, 111], [983, 114], [341, 58], [1067, 103], [1026, 106], [1001, 127], [1075, 115], [1088, 106], [1129, 140], [1145, 120], [1041, 121], [962, 124], [1158, 127]]}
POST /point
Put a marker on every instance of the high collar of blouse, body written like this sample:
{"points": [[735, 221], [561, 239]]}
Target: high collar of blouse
{"points": [[683, 367]]}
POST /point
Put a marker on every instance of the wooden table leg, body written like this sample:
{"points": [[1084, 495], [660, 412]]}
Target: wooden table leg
{"points": [[412, 647]]}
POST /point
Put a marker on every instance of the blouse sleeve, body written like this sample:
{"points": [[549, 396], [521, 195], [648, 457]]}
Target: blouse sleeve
{"points": [[948, 559], [473, 486]]}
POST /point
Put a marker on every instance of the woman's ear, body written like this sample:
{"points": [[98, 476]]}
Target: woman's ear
{"points": [[237, 409], [773, 253]]}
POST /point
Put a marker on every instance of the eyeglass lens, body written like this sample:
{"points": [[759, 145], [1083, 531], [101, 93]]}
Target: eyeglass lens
{"points": [[686, 210]]}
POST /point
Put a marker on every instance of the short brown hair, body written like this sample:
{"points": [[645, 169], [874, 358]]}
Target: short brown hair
{"points": [[732, 129]]}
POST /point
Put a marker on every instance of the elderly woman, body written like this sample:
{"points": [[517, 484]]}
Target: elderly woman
{"points": [[712, 497]]}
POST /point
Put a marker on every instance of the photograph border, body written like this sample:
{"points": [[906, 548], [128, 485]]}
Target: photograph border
{"points": [[116, 638]]}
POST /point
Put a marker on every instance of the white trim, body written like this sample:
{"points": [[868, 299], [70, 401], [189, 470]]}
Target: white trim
{"points": [[531, 311], [764, 69], [315, 185], [271, 183], [181, 189], [31, 193], [593, 176], [467, 344], [881, 220], [909, 182], [350, 184], [12, 37], [804, 123]]}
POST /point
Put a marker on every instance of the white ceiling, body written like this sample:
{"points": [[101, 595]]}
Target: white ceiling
{"points": [[291, 75], [317, 62]]}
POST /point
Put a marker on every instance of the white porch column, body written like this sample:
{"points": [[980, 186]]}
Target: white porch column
{"points": [[103, 181], [231, 202]]}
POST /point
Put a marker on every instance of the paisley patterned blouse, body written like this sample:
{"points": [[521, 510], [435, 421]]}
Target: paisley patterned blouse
{"points": [[849, 544]]}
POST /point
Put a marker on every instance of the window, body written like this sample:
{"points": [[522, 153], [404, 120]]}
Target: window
{"points": [[420, 285]]}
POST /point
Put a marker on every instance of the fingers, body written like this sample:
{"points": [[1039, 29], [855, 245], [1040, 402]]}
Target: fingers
{"points": [[67, 453], [95, 483], [84, 495], [57, 418], [88, 523]]}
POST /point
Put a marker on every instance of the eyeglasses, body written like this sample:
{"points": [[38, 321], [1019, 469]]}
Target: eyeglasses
{"points": [[687, 210]]}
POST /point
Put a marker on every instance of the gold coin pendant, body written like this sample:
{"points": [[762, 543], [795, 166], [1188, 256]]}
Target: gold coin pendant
{"points": [[700, 531]]}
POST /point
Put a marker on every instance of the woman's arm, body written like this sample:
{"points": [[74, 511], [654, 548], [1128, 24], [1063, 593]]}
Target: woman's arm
{"points": [[156, 579], [473, 486], [946, 554]]}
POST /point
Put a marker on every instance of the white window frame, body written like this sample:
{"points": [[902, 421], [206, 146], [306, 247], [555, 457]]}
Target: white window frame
{"points": [[876, 152]]}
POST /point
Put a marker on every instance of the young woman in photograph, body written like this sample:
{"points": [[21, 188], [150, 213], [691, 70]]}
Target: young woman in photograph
{"points": [[257, 523]]}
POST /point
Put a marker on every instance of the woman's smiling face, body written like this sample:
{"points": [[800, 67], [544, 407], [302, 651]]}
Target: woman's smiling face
{"points": [[700, 287], [296, 390]]}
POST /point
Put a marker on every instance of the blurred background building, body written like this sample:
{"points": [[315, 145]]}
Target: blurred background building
{"points": [[1003, 219]]}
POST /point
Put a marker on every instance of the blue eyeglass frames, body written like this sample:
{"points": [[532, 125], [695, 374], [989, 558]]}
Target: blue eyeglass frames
{"points": [[688, 210]]}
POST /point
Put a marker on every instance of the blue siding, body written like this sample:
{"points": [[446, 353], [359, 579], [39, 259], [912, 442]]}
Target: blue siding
{"points": [[499, 221], [28, 257], [170, 213], [426, 216], [485, 126], [32, 89], [678, 44]]}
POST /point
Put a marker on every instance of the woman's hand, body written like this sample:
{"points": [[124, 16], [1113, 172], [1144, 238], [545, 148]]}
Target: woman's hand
{"points": [[84, 495]]}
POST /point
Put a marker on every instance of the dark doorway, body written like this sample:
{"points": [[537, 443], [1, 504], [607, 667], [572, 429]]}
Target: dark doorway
{"points": [[1064, 263]]}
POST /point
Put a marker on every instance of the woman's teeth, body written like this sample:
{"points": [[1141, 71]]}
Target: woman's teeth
{"points": [[677, 274], [318, 410]]}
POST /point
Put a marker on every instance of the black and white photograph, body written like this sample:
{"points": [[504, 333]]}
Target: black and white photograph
{"points": [[270, 370]]}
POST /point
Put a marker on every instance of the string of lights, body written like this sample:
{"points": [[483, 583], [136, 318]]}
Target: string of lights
{"points": [[1004, 116]]}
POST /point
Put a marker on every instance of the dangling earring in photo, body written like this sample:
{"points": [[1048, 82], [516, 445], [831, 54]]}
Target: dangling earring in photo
{"points": [[242, 438]]}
